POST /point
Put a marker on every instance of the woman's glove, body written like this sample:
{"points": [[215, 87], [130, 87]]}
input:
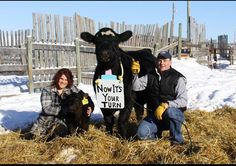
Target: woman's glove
{"points": [[160, 110]]}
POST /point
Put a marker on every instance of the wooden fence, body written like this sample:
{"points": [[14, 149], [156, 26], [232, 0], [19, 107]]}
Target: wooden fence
{"points": [[44, 59], [40, 61], [197, 31], [53, 46], [57, 29], [14, 38], [64, 29], [13, 61]]}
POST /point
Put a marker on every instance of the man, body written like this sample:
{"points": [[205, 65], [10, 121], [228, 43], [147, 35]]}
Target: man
{"points": [[173, 101]]}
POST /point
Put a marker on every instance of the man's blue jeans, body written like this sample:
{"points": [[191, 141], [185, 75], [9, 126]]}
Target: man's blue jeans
{"points": [[151, 128]]}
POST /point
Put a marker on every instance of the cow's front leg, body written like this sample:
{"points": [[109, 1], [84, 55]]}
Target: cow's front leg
{"points": [[123, 122], [109, 120], [139, 111]]}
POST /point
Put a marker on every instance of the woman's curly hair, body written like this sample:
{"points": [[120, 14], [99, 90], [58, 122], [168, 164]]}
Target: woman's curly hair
{"points": [[58, 75]]}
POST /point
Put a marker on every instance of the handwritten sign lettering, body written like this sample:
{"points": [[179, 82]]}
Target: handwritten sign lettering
{"points": [[110, 94]]}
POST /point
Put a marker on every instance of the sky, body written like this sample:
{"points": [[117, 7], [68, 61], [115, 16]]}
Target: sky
{"points": [[207, 90], [218, 16]]}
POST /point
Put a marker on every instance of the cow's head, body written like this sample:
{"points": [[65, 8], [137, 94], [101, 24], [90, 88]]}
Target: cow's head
{"points": [[107, 43], [72, 104]]}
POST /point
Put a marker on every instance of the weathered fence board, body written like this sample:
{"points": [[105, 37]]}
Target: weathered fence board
{"points": [[14, 38], [9, 51], [13, 68], [13, 60]]}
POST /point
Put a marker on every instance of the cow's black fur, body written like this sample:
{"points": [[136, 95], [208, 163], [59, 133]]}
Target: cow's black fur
{"points": [[147, 66], [75, 117], [109, 56]]}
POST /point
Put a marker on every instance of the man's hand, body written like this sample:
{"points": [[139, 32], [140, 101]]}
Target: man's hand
{"points": [[135, 67], [160, 110], [97, 81]]}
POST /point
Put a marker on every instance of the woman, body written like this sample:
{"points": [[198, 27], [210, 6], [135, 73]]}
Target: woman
{"points": [[51, 118]]}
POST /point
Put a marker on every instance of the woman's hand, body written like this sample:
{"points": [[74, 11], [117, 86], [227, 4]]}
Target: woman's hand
{"points": [[88, 111]]}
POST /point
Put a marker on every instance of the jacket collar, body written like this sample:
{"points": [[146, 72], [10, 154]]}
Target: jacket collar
{"points": [[66, 90]]}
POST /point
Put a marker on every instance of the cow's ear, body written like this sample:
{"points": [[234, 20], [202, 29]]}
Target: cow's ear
{"points": [[125, 36], [86, 36]]}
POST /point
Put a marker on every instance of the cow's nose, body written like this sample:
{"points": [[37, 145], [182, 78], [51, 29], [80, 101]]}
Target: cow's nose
{"points": [[104, 55]]}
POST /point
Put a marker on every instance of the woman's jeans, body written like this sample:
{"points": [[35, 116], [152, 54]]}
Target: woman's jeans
{"points": [[151, 128]]}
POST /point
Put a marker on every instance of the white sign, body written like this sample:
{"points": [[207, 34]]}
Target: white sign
{"points": [[110, 94]]}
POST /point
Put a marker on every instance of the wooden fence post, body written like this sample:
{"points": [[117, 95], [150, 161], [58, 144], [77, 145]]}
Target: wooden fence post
{"points": [[155, 48], [78, 66], [180, 41], [30, 67]]}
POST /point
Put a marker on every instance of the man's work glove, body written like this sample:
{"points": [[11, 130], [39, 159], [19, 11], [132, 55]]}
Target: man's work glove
{"points": [[160, 110], [97, 81], [135, 67]]}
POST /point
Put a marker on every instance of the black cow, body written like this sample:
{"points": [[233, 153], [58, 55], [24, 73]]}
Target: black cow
{"points": [[109, 56], [75, 116], [147, 66]]}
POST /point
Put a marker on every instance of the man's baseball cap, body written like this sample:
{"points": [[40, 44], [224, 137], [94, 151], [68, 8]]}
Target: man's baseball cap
{"points": [[164, 55]]}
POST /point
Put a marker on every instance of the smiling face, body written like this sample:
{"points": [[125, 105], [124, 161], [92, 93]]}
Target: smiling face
{"points": [[163, 64], [62, 82]]}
